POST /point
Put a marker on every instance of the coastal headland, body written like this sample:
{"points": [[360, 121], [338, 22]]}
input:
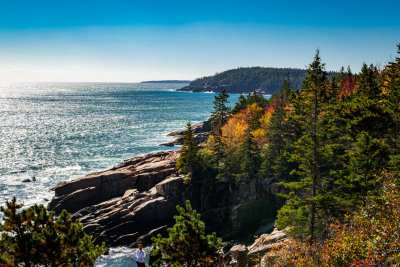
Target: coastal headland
{"points": [[137, 199]]}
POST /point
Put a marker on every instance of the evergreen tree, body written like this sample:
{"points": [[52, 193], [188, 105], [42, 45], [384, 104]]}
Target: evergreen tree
{"points": [[188, 161], [187, 244], [34, 237], [369, 82], [391, 100], [250, 159], [240, 105], [218, 147], [275, 162], [251, 98], [221, 112], [309, 149], [368, 158]]}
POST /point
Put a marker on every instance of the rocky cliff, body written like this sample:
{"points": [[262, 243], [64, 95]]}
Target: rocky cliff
{"points": [[137, 199]]}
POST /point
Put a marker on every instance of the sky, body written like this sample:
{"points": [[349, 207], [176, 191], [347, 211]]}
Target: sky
{"points": [[133, 41]]}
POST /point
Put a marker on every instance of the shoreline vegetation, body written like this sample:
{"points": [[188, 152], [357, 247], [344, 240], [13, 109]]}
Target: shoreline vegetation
{"points": [[320, 163], [246, 80]]}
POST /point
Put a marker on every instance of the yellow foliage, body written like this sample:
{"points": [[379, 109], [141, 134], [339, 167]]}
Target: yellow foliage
{"points": [[260, 137], [210, 144], [251, 111], [234, 131]]}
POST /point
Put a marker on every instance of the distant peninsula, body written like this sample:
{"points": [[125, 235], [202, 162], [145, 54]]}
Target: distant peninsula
{"points": [[244, 80], [167, 81]]}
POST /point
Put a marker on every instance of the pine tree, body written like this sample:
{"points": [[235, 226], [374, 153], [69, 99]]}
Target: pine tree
{"points": [[187, 244], [369, 82], [367, 159], [275, 163], [221, 112], [391, 100], [188, 161], [250, 159], [34, 237], [309, 149], [240, 105]]}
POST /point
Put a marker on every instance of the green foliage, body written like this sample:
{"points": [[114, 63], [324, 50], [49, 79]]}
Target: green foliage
{"points": [[187, 244], [250, 157], [327, 144], [188, 161], [275, 157], [221, 112], [348, 136], [251, 98], [34, 236], [309, 150], [367, 237]]}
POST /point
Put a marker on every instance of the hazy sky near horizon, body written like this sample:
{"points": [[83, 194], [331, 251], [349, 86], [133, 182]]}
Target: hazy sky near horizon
{"points": [[131, 41]]}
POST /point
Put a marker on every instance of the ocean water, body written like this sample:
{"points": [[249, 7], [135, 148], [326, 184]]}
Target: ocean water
{"points": [[61, 131]]}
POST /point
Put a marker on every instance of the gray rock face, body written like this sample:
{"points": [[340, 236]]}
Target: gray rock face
{"points": [[265, 243], [140, 173], [137, 199], [200, 127]]}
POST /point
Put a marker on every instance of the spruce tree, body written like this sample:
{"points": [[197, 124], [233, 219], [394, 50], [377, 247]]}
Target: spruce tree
{"points": [[391, 100], [250, 159], [221, 112], [275, 162], [187, 244], [309, 149], [34, 236], [188, 161]]}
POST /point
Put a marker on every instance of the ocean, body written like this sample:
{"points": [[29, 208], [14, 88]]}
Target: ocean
{"points": [[60, 131]]}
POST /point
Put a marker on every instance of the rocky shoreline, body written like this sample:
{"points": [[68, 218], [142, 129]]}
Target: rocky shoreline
{"points": [[135, 200], [201, 132]]}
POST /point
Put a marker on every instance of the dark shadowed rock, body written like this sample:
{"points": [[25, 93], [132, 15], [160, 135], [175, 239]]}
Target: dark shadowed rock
{"points": [[137, 199], [239, 256]]}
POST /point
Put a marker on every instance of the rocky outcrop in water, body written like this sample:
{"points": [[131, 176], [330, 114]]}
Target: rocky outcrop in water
{"points": [[201, 132], [137, 199]]}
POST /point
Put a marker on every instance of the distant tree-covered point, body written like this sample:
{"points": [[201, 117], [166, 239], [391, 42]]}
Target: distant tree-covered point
{"points": [[244, 80]]}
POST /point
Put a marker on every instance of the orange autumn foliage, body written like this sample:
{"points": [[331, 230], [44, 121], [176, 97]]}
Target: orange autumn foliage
{"points": [[371, 237], [349, 86]]}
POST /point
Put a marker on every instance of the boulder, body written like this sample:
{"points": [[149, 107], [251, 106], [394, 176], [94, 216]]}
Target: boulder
{"points": [[238, 255], [170, 186], [265, 243]]}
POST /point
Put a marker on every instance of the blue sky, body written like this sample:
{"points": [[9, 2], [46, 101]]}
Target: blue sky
{"points": [[131, 41]]}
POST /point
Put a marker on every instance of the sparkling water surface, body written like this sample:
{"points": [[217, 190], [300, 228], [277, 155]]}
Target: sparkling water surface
{"points": [[61, 131]]}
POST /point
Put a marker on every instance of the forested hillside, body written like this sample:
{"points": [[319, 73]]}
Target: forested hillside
{"points": [[244, 80], [335, 146]]}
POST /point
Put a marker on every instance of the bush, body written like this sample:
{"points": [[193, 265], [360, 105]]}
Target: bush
{"points": [[187, 244], [34, 236]]}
